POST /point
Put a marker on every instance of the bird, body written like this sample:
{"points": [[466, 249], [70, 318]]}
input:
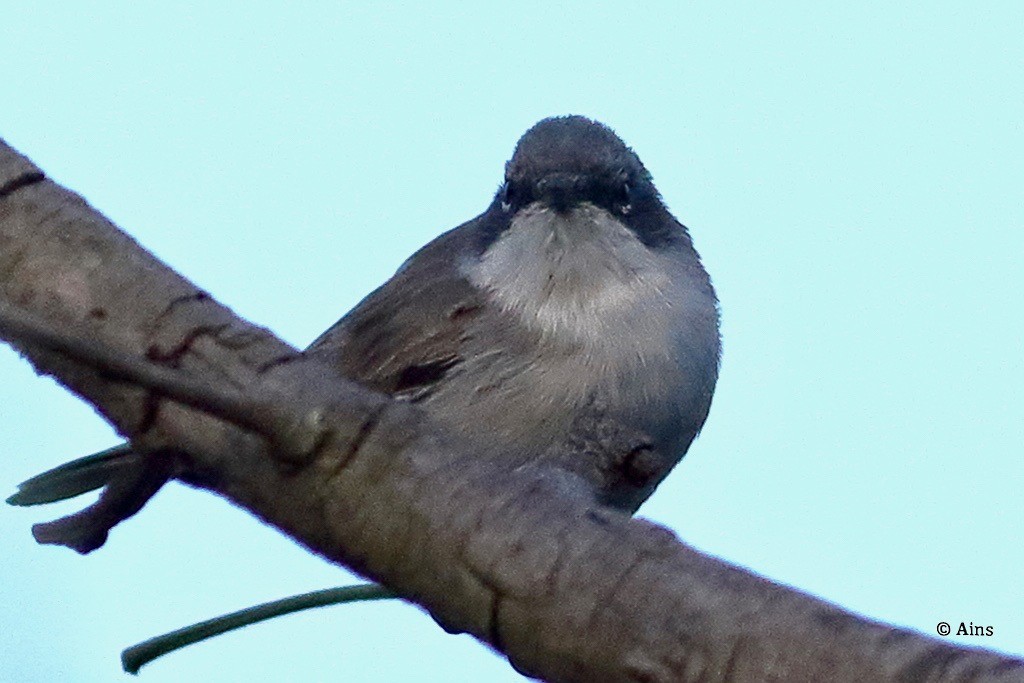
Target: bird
{"points": [[575, 294]]}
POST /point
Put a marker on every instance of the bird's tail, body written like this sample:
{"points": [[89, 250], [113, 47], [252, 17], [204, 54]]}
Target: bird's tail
{"points": [[76, 477]]}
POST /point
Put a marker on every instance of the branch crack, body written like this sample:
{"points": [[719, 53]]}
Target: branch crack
{"points": [[365, 429], [20, 182]]}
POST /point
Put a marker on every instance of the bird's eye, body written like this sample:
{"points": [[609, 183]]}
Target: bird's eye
{"points": [[506, 197]]}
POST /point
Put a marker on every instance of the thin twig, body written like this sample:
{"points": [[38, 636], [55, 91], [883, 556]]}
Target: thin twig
{"points": [[137, 656]]}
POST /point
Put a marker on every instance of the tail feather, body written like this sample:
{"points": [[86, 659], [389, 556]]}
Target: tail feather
{"points": [[74, 478]]}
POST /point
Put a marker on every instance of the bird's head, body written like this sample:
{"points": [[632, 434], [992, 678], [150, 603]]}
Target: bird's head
{"points": [[565, 164]]}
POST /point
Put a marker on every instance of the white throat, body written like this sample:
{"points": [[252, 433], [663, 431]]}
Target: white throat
{"points": [[571, 276]]}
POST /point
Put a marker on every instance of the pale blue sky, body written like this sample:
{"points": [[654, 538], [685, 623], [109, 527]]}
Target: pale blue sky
{"points": [[851, 173]]}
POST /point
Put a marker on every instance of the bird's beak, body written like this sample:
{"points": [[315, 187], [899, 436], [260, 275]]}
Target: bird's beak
{"points": [[560, 191]]}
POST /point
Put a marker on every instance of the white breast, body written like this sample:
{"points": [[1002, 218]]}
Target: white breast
{"points": [[594, 293], [570, 276]]}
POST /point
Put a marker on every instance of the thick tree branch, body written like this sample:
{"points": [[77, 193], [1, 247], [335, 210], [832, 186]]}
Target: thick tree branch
{"points": [[522, 559]]}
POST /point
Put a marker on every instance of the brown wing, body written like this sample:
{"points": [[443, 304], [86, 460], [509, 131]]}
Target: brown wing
{"points": [[407, 334]]}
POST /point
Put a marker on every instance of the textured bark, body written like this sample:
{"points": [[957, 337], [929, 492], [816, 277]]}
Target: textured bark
{"points": [[521, 559]]}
